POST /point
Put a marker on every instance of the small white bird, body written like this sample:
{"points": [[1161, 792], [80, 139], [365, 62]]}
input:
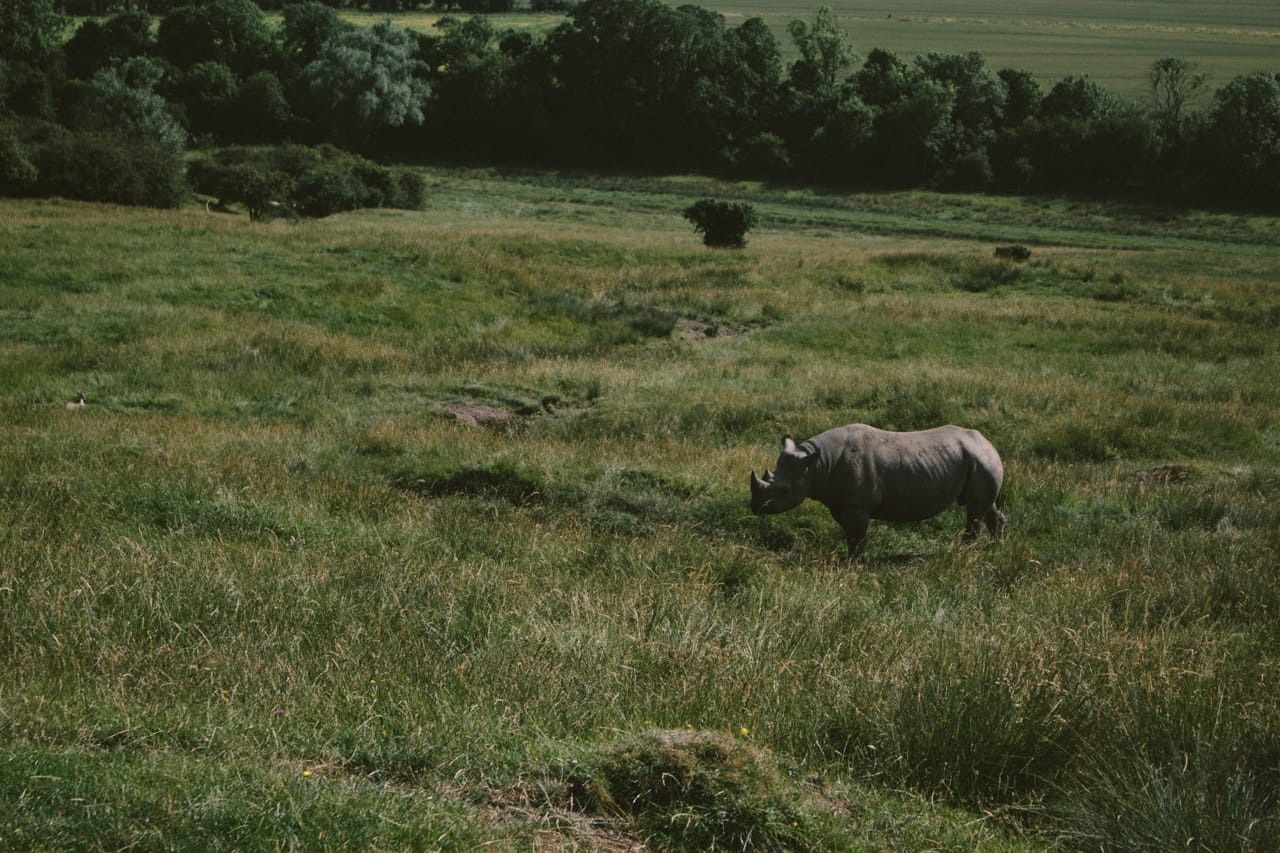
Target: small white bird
{"points": [[78, 402]]}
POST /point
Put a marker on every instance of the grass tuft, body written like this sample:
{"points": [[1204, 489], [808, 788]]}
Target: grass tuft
{"points": [[695, 790]]}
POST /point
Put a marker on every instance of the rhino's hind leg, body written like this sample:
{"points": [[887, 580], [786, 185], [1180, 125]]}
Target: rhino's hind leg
{"points": [[997, 525], [992, 517]]}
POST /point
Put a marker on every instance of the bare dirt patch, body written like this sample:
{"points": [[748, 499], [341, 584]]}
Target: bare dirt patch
{"points": [[503, 414], [699, 330], [477, 415], [1164, 475]]}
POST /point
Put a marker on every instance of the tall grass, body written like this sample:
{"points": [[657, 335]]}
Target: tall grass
{"points": [[268, 589]]}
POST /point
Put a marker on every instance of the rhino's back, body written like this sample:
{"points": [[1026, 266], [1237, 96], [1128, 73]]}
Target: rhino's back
{"points": [[907, 476]]}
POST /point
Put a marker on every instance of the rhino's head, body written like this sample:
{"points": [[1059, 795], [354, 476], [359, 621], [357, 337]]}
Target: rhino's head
{"points": [[787, 486]]}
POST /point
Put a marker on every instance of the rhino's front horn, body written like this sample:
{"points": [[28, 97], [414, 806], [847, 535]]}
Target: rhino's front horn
{"points": [[756, 483]]}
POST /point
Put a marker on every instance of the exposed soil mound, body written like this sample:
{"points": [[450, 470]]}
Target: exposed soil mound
{"points": [[474, 414]]}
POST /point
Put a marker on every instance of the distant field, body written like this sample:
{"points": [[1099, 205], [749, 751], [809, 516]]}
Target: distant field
{"points": [[1114, 43]]}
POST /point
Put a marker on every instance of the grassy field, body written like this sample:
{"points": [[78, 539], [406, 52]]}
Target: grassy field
{"points": [[430, 531], [1113, 43]]}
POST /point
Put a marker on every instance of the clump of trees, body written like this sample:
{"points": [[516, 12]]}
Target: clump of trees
{"points": [[618, 84]]}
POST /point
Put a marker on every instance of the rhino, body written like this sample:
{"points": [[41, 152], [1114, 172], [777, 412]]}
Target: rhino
{"points": [[859, 473]]}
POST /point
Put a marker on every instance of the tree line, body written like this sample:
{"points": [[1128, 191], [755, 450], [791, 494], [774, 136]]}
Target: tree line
{"points": [[623, 84]]}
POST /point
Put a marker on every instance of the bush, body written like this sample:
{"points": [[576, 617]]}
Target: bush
{"points": [[326, 190], [1013, 253], [722, 224], [309, 181], [108, 167], [258, 188]]}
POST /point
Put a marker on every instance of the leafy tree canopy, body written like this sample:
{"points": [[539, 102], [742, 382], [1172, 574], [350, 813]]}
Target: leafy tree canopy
{"points": [[30, 30], [826, 53], [233, 32], [367, 79], [123, 100]]}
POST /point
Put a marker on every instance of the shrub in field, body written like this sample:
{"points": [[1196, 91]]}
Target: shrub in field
{"points": [[694, 790], [327, 190], [1013, 253], [722, 224], [311, 181], [106, 166], [255, 187]]}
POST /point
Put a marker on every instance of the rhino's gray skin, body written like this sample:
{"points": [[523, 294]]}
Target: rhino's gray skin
{"points": [[860, 473]]}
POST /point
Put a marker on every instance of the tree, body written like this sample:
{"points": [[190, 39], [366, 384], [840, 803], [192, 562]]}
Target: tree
{"points": [[1023, 96], [26, 89], [18, 174], [883, 78], [823, 118], [1010, 166], [260, 111], [308, 27], [826, 53], [1173, 84], [1239, 149], [977, 111], [912, 135], [365, 80], [30, 30], [122, 100], [640, 82], [753, 88], [96, 45], [232, 32], [912, 132], [1077, 99], [473, 76], [98, 165], [207, 91]]}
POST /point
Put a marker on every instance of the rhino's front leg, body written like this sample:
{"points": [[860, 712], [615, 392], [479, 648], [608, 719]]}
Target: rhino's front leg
{"points": [[854, 521]]}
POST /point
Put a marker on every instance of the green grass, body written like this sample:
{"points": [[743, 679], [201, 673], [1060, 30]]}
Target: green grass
{"points": [[1113, 44], [268, 589]]}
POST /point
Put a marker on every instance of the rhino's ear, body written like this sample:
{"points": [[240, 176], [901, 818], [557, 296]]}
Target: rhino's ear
{"points": [[787, 444]]}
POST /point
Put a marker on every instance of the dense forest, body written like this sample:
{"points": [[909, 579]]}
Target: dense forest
{"points": [[303, 105]]}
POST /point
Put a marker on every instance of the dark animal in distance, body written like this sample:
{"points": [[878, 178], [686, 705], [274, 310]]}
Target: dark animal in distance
{"points": [[1013, 253], [859, 473]]}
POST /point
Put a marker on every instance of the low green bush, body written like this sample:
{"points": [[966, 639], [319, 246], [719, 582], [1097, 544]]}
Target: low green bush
{"points": [[40, 159], [722, 224], [314, 182]]}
